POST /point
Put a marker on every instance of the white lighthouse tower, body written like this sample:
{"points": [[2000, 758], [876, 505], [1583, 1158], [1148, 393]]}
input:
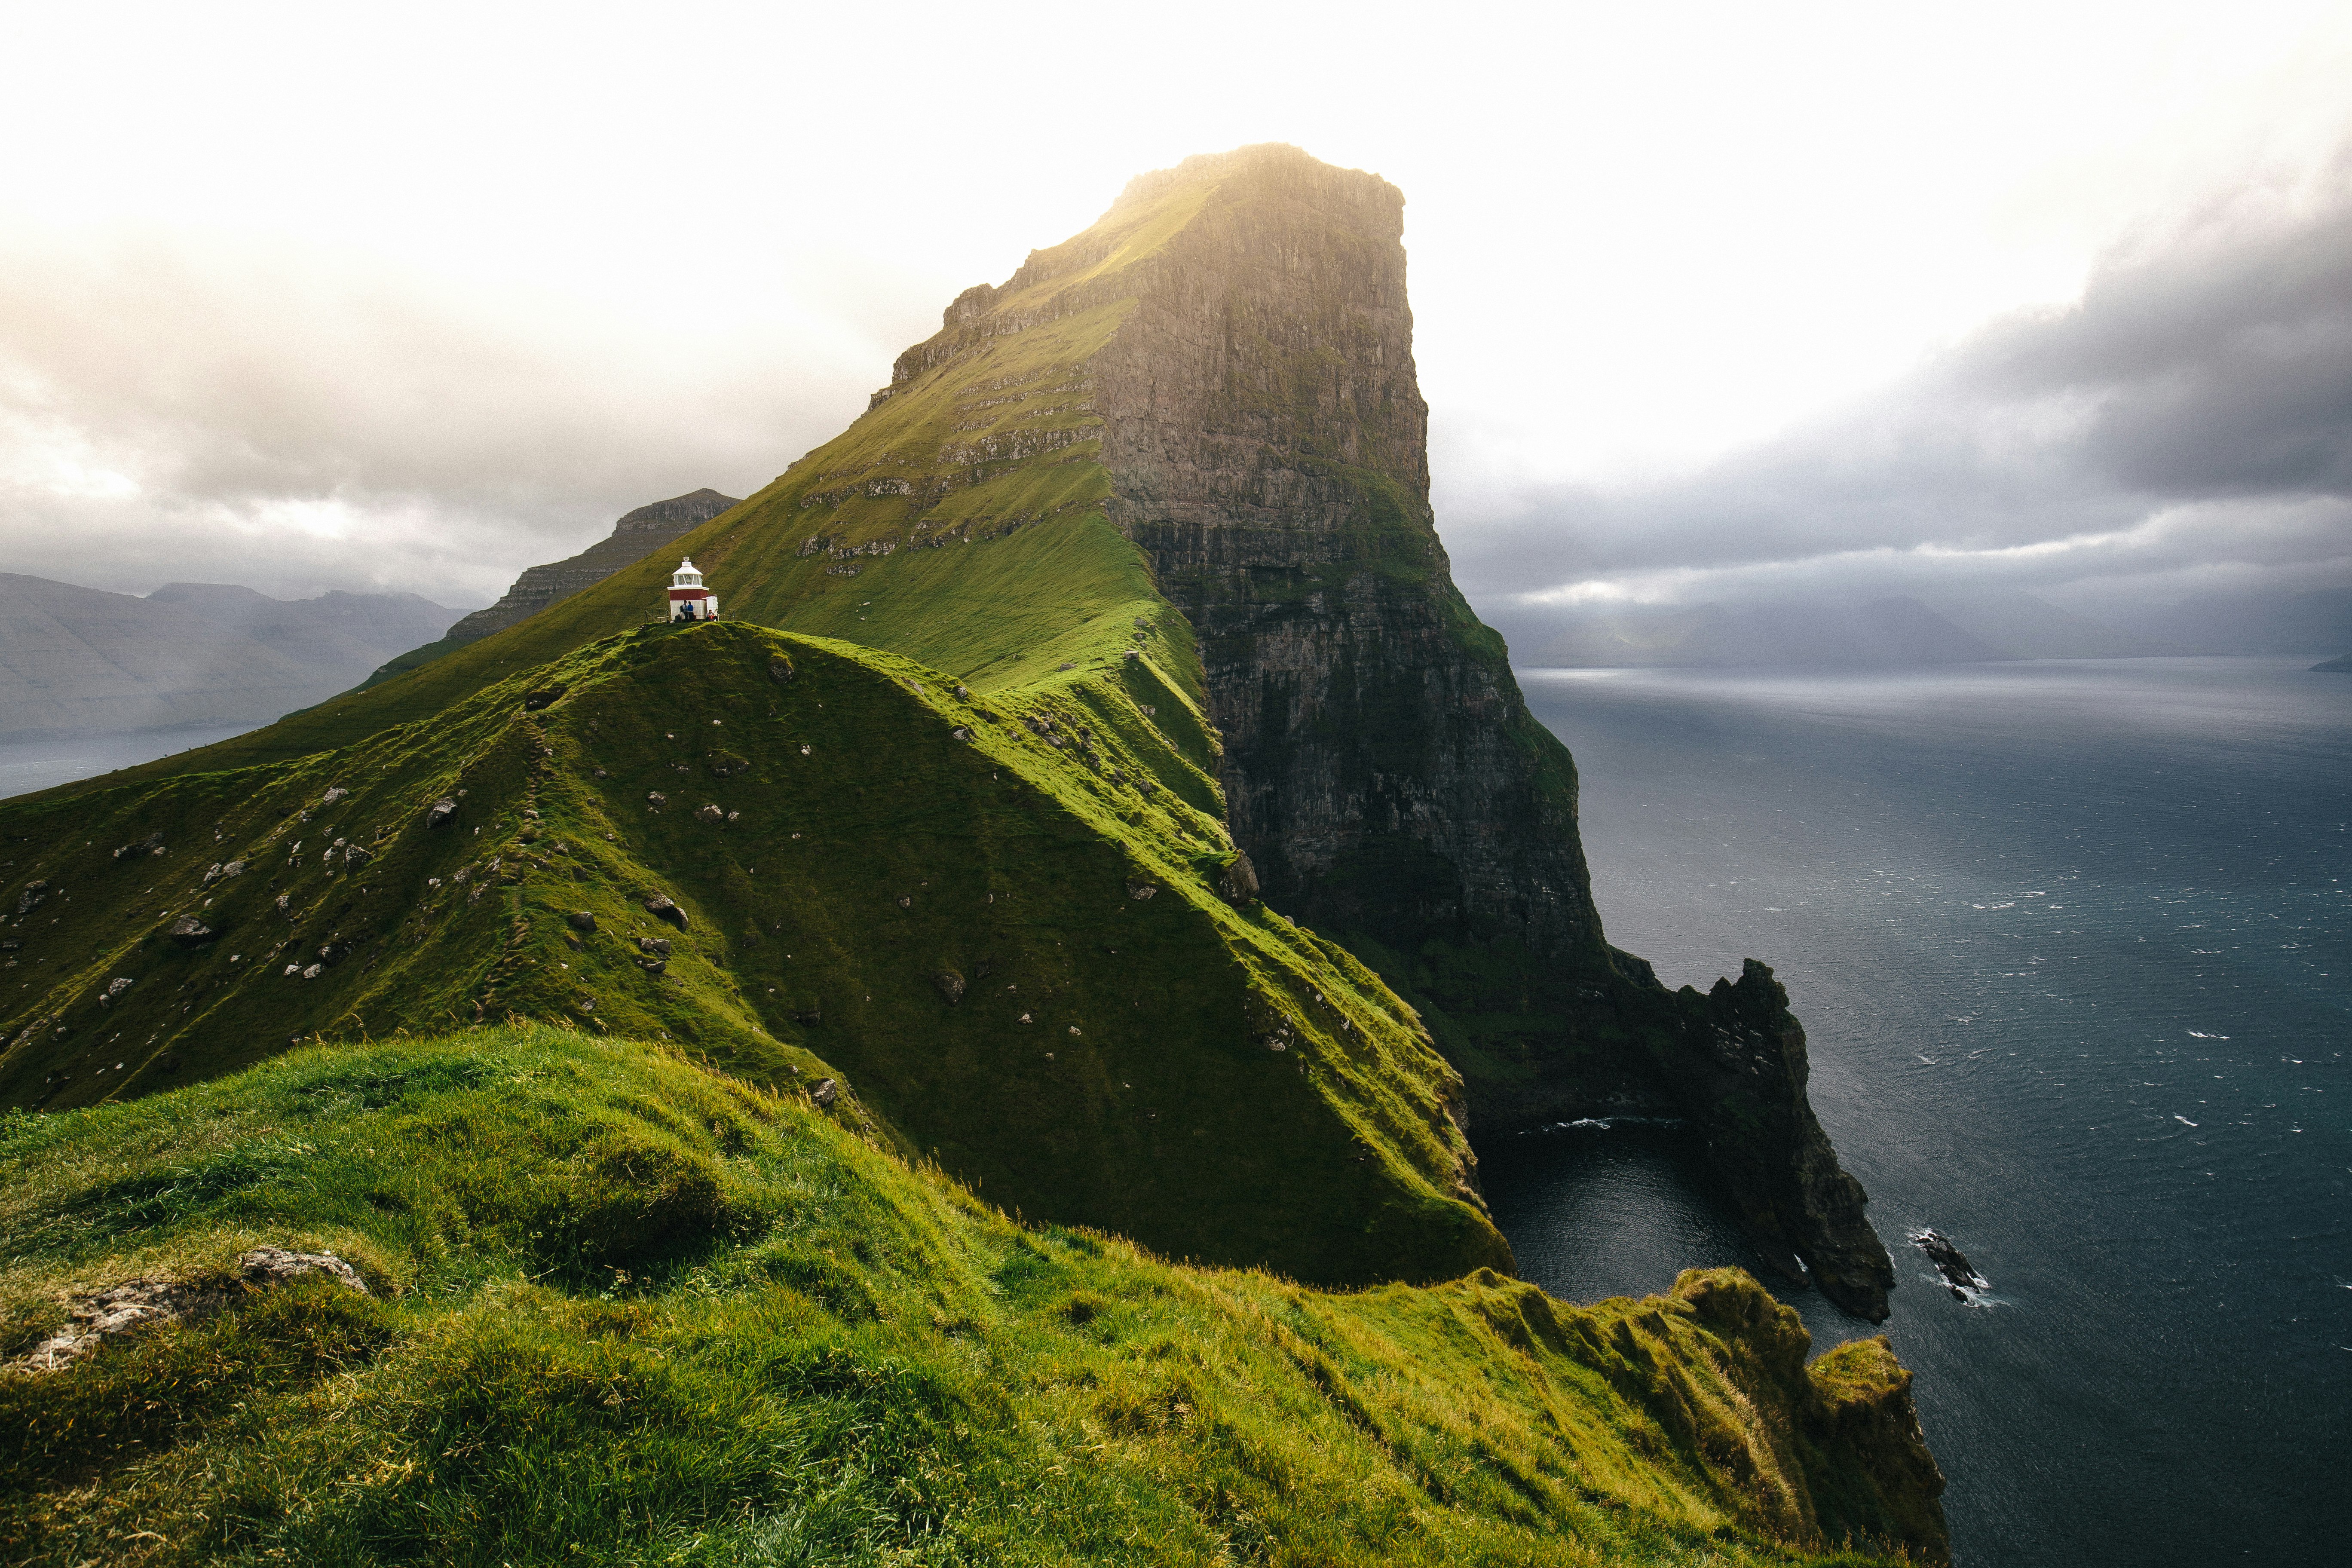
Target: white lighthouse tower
{"points": [[688, 599]]}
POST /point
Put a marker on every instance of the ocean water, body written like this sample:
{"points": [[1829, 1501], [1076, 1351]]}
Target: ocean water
{"points": [[29, 765], [2073, 945]]}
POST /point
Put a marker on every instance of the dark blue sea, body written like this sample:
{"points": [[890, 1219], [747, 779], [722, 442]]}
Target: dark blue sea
{"points": [[2073, 944]]}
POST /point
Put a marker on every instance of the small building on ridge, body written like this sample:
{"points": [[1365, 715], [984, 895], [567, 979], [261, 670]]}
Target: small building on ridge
{"points": [[688, 599]]}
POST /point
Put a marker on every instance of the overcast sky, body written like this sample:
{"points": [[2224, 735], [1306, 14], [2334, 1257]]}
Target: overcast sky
{"points": [[1709, 299]]}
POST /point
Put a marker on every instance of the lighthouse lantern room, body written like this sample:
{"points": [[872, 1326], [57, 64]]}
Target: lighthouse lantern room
{"points": [[688, 599]]}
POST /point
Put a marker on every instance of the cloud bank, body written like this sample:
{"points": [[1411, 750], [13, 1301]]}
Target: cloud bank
{"points": [[298, 421], [2185, 426]]}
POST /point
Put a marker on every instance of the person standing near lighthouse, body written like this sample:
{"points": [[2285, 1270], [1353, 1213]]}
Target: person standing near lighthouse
{"points": [[688, 599]]}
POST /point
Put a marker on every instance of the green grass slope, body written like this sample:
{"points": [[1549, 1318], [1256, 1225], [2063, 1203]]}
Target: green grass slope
{"points": [[995, 918], [625, 1310]]}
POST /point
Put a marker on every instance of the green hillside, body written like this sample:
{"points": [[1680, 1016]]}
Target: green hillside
{"points": [[997, 919], [623, 1310]]}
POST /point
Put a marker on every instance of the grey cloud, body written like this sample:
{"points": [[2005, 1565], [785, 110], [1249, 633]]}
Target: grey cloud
{"points": [[2192, 412], [2220, 361]]}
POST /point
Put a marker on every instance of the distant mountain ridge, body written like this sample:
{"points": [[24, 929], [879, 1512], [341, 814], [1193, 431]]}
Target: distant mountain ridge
{"points": [[637, 532], [81, 660]]}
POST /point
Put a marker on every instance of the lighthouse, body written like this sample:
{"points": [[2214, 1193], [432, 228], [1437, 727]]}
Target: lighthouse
{"points": [[688, 599]]}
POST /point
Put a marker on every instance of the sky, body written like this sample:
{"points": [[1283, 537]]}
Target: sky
{"points": [[1710, 300]]}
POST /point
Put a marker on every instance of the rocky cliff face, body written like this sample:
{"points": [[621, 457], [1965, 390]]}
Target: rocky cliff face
{"points": [[1269, 446], [1266, 444], [647, 528]]}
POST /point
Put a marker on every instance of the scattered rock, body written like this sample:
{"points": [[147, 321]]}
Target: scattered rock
{"points": [[190, 932], [333, 795], [150, 845], [313, 972], [123, 1309], [440, 813], [546, 696], [581, 920], [142, 1304], [1237, 884], [656, 945], [275, 1265], [1140, 890], [949, 986], [960, 733], [31, 897], [962, 695], [825, 1093], [653, 965], [657, 799], [711, 814], [780, 671], [116, 987], [1066, 664], [1130, 653]]}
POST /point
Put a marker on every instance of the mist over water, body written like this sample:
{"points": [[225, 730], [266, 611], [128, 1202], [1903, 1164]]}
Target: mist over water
{"points": [[27, 766], [2073, 945]]}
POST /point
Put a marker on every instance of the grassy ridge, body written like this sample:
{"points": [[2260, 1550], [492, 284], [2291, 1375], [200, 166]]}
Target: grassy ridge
{"points": [[951, 925], [625, 1310]]}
